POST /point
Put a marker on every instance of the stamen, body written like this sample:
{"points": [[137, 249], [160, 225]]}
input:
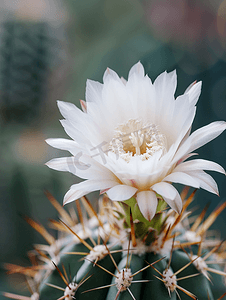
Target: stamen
{"points": [[134, 138]]}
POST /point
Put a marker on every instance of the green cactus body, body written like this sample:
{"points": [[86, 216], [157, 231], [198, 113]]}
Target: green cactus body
{"points": [[103, 263], [152, 289]]}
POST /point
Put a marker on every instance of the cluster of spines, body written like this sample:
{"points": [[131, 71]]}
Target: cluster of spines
{"points": [[50, 255]]}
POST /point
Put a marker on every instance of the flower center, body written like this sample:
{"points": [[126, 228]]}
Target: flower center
{"points": [[134, 138]]}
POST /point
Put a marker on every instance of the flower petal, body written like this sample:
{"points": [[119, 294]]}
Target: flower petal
{"points": [[93, 91], [64, 144], [74, 133], [147, 202], [165, 85], [121, 192], [199, 164], [206, 181], [82, 166], [137, 69], [109, 74], [165, 190], [169, 194], [61, 164], [80, 189], [183, 178], [194, 91], [175, 204], [199, 138], [66, 107]]}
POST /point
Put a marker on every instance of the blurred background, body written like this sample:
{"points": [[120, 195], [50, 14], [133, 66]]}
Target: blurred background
{"points": [[48, 48]]}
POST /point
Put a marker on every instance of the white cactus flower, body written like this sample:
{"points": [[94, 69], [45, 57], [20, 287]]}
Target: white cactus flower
{"points": [[132, 139]]}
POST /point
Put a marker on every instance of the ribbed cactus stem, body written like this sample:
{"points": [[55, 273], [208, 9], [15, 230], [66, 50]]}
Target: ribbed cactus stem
{"points": [[101, 261]]}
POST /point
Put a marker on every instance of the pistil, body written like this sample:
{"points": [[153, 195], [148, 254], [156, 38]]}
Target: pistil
{"points": [[137, 139]]}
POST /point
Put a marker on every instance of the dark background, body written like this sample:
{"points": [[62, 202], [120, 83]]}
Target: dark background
{"points": [[47, 51]]}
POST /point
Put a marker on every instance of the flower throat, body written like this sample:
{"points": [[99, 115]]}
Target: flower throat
{"points": [[134, 138]]}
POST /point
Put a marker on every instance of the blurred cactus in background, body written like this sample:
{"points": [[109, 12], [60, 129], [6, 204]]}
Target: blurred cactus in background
{"points": [[23, 82], [24, 70], [32, 50]]}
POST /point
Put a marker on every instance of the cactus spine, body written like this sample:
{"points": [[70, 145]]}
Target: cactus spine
{"points": [[105, 256]]}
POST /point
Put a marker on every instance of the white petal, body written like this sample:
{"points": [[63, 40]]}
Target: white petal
{"points": [[79, 121], [75, 115], [74, 133], [183, 112], [65, 107], [110, 74], [85, 132], [73, 195], [61, 164], [200, 137], [206, 181], [137, 69], [95, 170], [82, 166], [93, 91], [194, 91], [84, 126], [176, 119], [147, 202], [121, 192], [141, 97], [78, 190], [124, 81], [165, 190], [183, 178], [116, 106], [169, 194], [166, 83], [64, 144], [175, 204], [186, 157], [190, 86], [199, 164]]}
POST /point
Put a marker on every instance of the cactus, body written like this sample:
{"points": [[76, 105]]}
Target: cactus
{"points": [[24, 57], [102, 256], [142, 242]]}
